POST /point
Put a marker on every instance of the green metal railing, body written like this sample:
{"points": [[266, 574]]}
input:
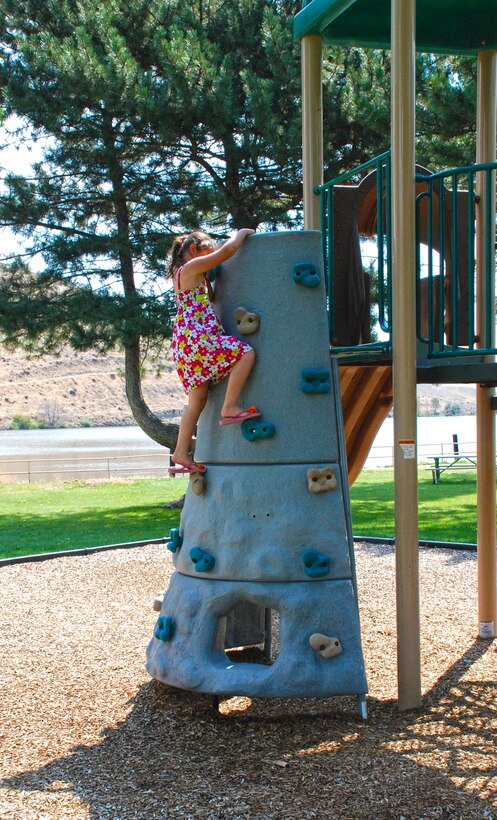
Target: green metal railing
{"points": [[382, 169], [445, 320], [451, 297]]}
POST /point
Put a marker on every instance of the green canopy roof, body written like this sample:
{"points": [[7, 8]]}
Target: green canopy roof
{"points": [[442, 26]]}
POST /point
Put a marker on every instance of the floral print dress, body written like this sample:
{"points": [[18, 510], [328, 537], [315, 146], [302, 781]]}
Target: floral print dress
{"points": [[202, 351]]}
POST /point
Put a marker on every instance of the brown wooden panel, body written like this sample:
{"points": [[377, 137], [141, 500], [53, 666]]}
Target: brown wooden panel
{"points": [[366, 401]]}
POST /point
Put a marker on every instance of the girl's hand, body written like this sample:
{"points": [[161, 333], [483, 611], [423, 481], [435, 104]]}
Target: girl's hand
{"points": [[240, 236], [194, 268]]}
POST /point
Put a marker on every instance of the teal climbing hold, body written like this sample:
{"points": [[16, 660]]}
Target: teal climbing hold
{"points": [[164, 629], [316, 565], [253, 429], [315, 381], [175, 540], [203, 561], [305, 274]]}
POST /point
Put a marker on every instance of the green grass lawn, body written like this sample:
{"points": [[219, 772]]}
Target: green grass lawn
{"points": [[447, 511], [36, 518]]}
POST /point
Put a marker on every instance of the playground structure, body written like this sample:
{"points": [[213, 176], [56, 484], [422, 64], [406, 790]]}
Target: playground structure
{"points": [[447, 27], [445, 321], [444, 303], [232, 576], [265, 538]]}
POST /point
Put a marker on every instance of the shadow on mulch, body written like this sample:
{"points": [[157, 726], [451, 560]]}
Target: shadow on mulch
{"points": [[174, 756]]}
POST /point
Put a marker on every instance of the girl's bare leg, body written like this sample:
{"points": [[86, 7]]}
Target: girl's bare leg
{"points": [[237, 378], [196, 403]]}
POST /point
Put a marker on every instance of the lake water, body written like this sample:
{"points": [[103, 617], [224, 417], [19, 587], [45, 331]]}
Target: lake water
{"points": [[103, 451], [86, 452], [81, 441]]}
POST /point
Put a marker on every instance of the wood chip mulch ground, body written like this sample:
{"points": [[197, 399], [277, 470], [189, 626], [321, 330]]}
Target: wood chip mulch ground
{"points": [[85, 733]]}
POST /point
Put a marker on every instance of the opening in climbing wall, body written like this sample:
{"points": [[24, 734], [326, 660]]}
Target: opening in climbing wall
{"points": [[250, 634]]}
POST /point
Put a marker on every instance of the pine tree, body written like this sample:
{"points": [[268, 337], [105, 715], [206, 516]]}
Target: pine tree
{"points": [[159, 118], [446, 111]]}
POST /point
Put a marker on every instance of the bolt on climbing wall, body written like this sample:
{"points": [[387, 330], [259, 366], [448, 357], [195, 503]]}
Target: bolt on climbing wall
{"points": [[265, 534]]}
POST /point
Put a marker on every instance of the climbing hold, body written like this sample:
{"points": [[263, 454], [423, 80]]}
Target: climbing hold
{"points": [[164, 629], [315, 381], [158, 601], [175, 540], [246, 322], [203, 560], [252, 429], [197, 483], [306, 274], [316, 565], [325, 646], [321, 480]]}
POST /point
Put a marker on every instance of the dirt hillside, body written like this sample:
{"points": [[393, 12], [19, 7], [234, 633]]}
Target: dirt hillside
{"points": [[78, 388], [439, 399]]}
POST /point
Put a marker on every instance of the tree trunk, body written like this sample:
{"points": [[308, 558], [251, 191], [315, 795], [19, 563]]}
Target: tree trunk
{"points": [[165, 434], [161, 432]]}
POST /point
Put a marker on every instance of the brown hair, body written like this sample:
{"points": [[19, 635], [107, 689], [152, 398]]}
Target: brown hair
{"points": [[180, 246]]}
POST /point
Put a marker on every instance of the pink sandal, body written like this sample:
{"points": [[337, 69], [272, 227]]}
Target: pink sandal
{"points": [[243, 415], [187, 469]]}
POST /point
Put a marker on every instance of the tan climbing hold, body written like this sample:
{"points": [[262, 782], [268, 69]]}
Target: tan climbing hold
{"points": [[321, 480], [158, 600], [198, 483], [325, 646], [246, 322]]}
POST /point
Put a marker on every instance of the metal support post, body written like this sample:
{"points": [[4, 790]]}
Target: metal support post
{"points": [[312, 129], [485, 294], [404, 352]]}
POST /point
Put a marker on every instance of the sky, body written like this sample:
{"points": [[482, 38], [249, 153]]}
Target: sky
{"points": [[17, 157]]}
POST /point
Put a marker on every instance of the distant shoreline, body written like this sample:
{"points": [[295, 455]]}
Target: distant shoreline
{"points": [[176, 417], [172, 417]]}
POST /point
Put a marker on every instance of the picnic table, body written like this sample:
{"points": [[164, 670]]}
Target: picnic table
{"points": [[443, 463]]}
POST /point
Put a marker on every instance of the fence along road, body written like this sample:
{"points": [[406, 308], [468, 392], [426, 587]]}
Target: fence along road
{"points": [[71, 468]]}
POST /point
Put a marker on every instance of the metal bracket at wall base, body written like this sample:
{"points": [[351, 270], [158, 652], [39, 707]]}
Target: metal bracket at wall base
{"points": [[215, 701], [362, 707]]}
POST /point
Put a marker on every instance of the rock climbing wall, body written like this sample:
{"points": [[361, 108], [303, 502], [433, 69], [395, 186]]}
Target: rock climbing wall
{"points": [[265, 537]]}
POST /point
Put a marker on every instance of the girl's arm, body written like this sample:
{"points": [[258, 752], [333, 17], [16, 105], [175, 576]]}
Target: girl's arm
{"points": [[193, 270]]}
